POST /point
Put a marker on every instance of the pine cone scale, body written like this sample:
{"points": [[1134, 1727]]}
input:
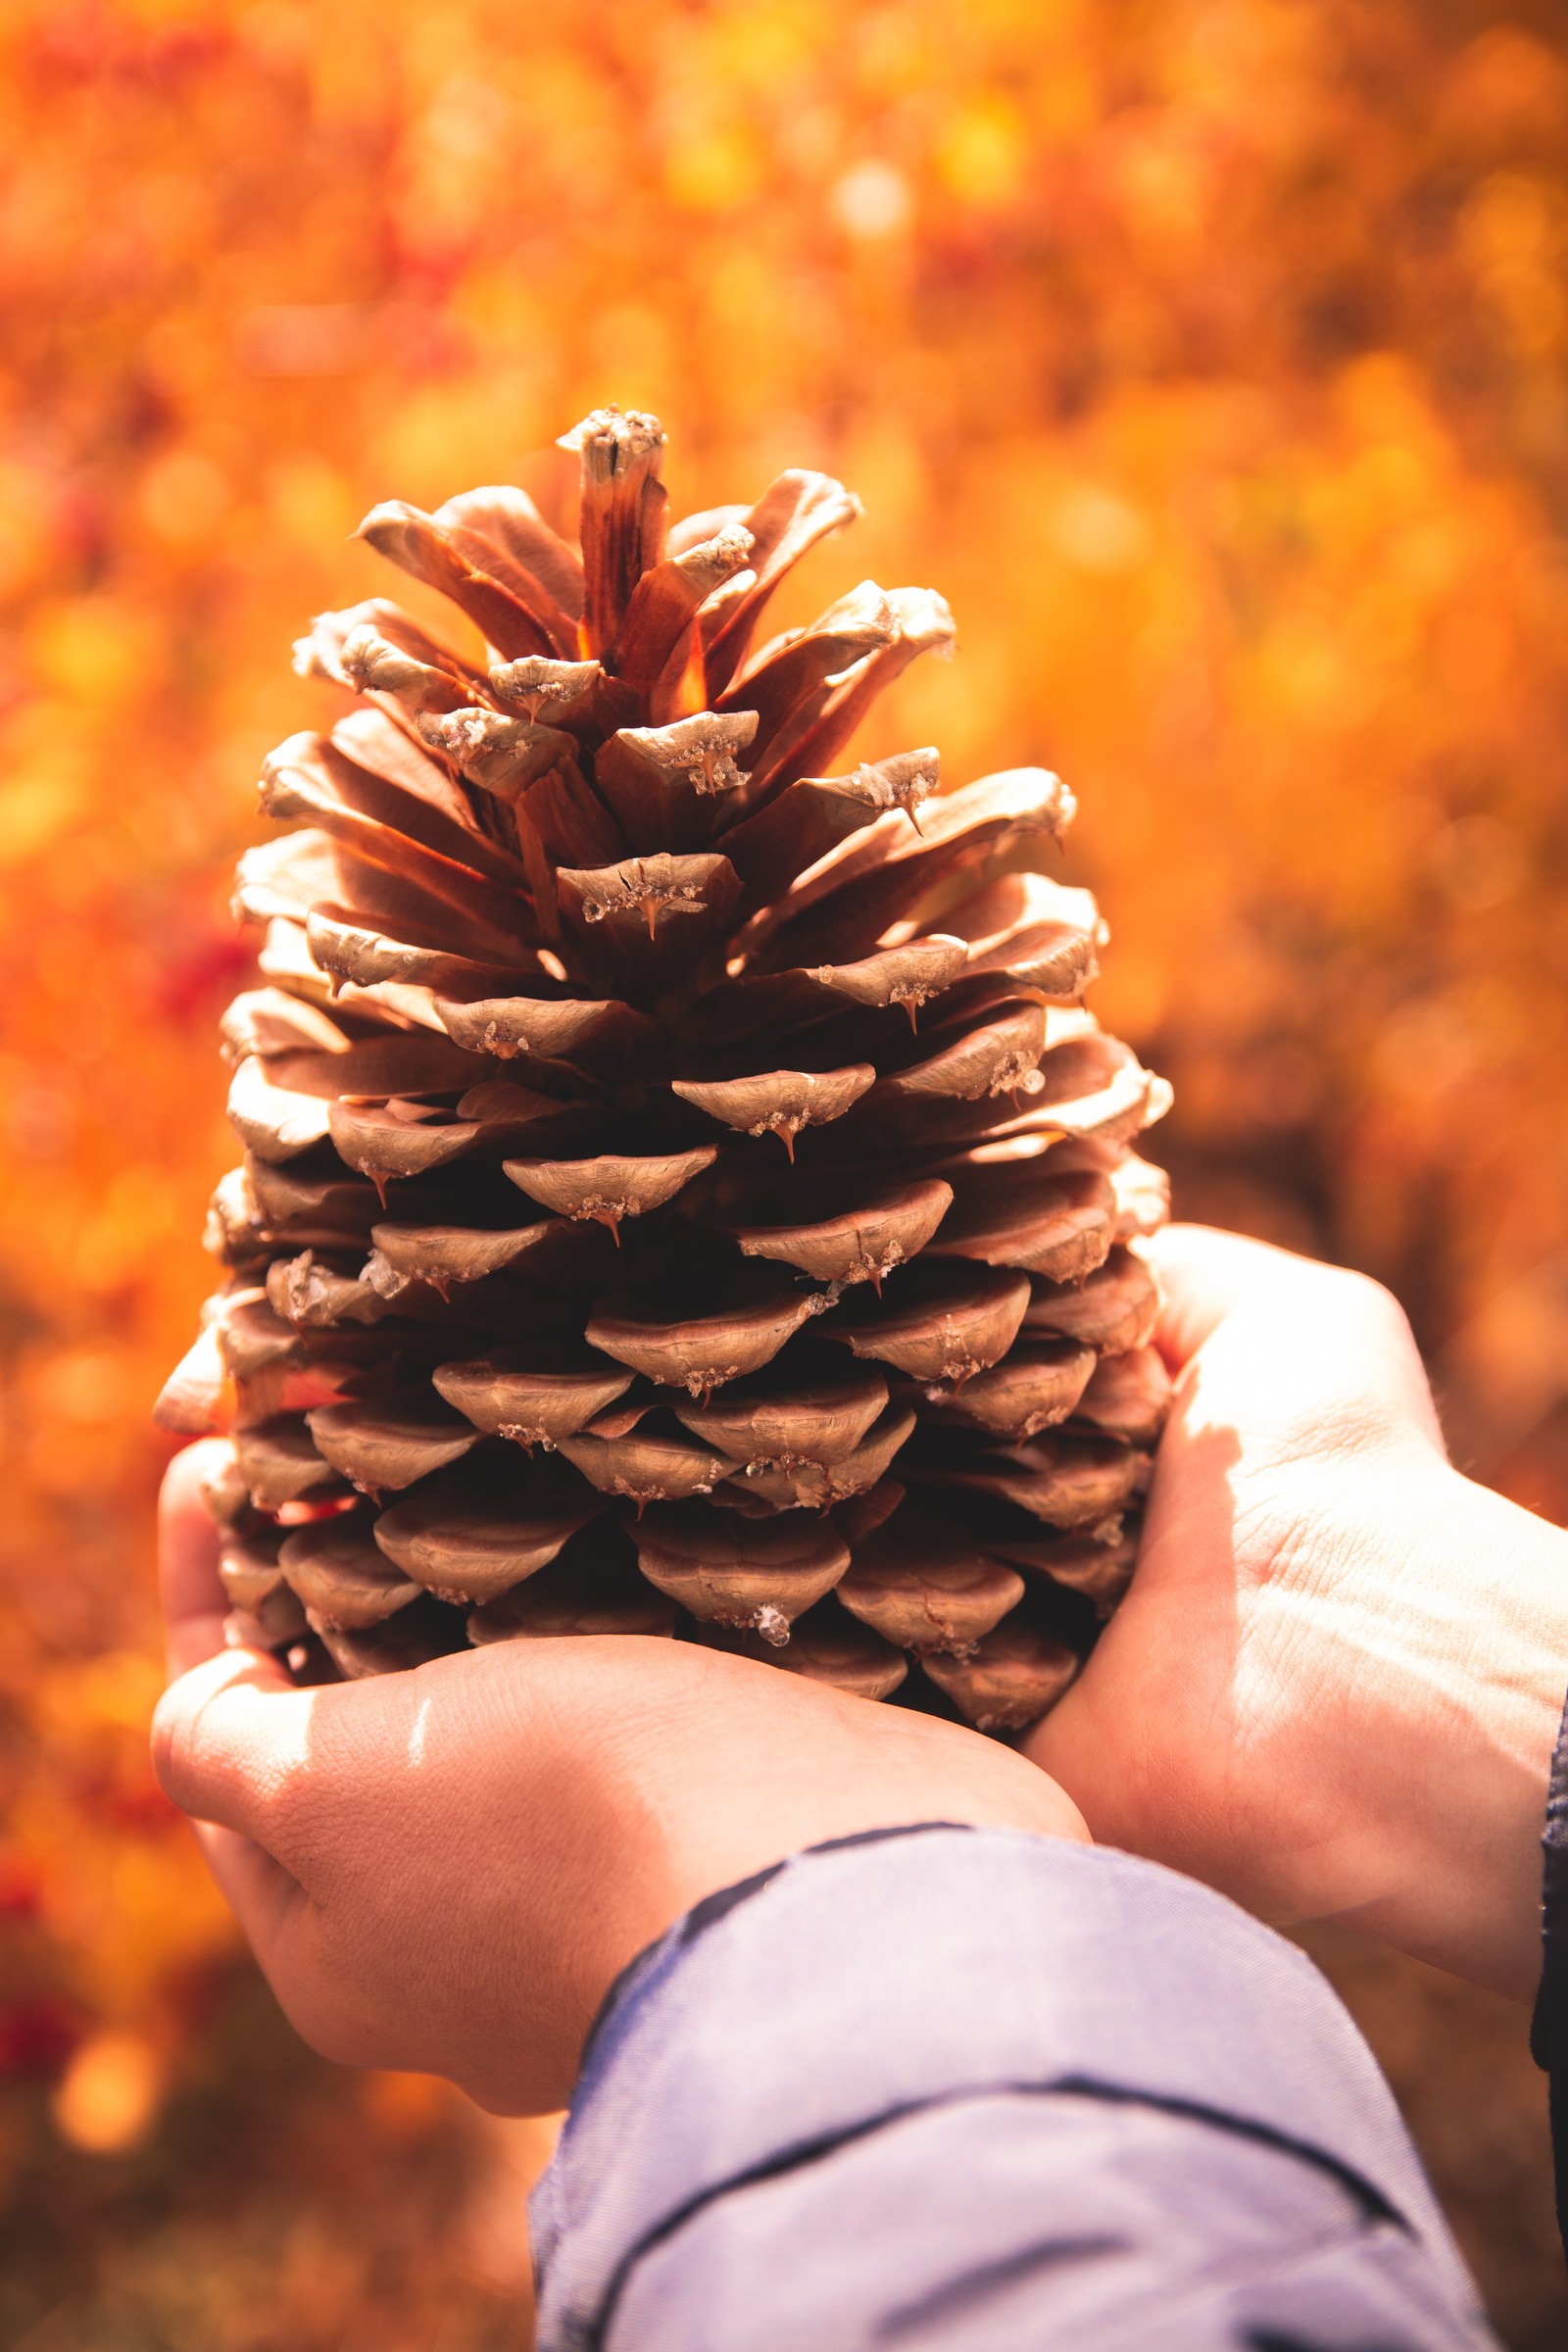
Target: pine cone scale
{"points": [[819, 1336]]}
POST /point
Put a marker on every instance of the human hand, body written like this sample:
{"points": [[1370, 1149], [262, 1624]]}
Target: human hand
{"points": [[1335, 1685], [443, 1871]]}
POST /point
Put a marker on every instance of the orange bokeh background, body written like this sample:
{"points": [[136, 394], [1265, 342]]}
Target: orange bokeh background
{"points": [[1211, 356]]}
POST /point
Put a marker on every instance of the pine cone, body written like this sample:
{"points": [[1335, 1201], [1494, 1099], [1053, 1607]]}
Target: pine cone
{"points": [[683, 1192]]}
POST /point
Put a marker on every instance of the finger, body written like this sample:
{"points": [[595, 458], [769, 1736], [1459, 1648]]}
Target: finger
{"points": [[195, 1604], [227, 1738]]}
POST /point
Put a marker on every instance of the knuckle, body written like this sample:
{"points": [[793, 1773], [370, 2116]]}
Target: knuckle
{"points": [[206, 1761]]}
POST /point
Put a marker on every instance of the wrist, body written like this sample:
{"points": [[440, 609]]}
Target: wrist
{"points": [[1463, 1667]]}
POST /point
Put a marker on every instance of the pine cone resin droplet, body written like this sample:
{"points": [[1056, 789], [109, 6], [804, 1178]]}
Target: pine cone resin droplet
{"points": [[682, 1189], [825, 1646]]}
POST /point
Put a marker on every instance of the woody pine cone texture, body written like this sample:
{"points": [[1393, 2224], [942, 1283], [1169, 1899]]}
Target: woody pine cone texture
{"points": [[683, 1192]]}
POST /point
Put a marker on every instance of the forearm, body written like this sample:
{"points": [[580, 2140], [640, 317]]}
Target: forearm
{"points": [[978, 2089]]}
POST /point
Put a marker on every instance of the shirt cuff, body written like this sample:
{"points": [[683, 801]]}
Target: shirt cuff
{"points": [[858, 1982]]}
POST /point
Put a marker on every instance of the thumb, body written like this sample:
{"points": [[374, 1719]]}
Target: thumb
{"points": [[1284, 1340], [1207, 1276]]}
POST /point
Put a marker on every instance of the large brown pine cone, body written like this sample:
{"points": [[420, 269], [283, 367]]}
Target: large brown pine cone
{"points": [[683, 1192]]}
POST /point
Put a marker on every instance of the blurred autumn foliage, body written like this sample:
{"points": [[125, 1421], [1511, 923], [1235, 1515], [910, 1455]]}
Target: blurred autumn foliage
{"points": [[1212, 356]]}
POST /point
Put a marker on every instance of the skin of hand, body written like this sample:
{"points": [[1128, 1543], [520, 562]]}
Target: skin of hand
{"points": [[1335, 1685], [443, 1871]]}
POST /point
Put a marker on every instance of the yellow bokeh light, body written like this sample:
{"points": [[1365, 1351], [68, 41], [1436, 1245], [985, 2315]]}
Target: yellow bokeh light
{"points": [[107, 2097]]}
